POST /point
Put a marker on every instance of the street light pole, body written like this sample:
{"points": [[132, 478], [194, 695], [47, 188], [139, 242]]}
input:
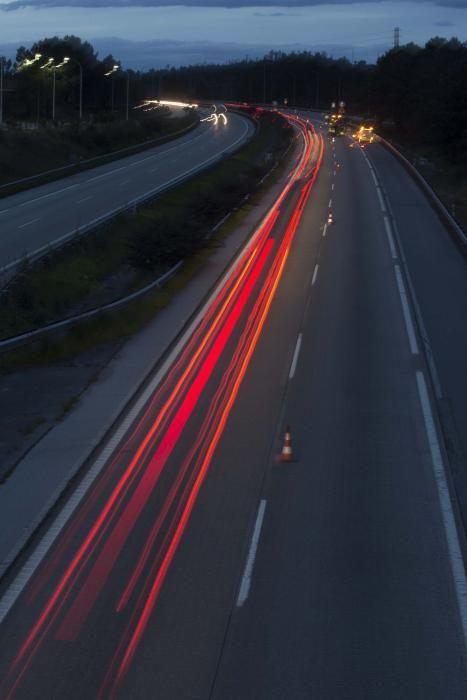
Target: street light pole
{"points": [[1, 91], [73, 60], [110, 73], [80, 91], [53, 92], [127, 93]]}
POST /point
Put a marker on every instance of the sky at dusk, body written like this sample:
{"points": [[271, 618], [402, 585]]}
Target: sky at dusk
{"points": [[149, 33]]}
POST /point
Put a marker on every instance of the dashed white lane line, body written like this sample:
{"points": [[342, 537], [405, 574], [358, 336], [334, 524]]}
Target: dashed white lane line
{"points": [[4, 211], [406, 311], [46, 196], [325, 228], [335, 173], [332, 186], [84, 199], [29, 223], [315, 275], [330, 204], [381, 200], [250, 562], [99, 177], [392, 246], [449, 521], [293, 366], [375, 179]]}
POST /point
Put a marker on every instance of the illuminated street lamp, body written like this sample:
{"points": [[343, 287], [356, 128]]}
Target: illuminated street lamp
{"points": [[67, 59], [106, 75], [113, 70], [30, 61], [50, 65]]}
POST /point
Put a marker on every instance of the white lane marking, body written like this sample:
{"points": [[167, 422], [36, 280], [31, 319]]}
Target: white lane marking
{"points": [[250, 562], [84, 199], [330, 204], [109, 172], [143, 160], [155, 190], [381, 200], [28, 223], [334, 173], [375, 179], [125, 182], [293, 366], [325, 228], [21, 580], [153, 170], [332, 186], [46, 196], [449, 522], [406, 311], [315, 275], [4, 211], [392, 247]]}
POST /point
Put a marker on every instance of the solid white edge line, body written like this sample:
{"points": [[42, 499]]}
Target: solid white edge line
{"points": [[381, 200], [135, 201], [406, 311], [293, 366], [20, 581], [449, 522], [250, 562], [392, 246], [315, 274]]}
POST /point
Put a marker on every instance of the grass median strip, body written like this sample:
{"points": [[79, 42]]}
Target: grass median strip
{"points": [[128, 253]]}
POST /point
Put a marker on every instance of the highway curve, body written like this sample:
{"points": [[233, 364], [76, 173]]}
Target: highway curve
{"points": [[32, 220], [198, 566]]}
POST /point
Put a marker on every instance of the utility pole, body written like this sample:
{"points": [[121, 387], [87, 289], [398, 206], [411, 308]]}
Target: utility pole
{"points": [[397, 33]]}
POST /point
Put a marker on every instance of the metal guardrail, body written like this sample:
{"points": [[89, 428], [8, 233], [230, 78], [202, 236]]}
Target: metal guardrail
{"points": [[445, 215], [67, 323], [16, 341], [75, 168], [132, 205]]}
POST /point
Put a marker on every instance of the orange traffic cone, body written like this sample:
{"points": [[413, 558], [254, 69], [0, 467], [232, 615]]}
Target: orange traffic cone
{"points": [[287, 452]]}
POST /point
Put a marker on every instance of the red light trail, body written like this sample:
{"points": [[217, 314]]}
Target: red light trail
{"points": [[244, 299]]}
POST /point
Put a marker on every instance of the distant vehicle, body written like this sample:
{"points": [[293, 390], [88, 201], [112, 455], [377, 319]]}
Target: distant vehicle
{"points": [[364, 134], [337, 124]]}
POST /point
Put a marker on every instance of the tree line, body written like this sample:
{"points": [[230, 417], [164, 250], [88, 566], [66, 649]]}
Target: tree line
{"points": [[419, 91]]}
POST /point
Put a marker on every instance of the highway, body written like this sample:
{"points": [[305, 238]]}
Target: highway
{"points": [[198, 566], [34, 219]]}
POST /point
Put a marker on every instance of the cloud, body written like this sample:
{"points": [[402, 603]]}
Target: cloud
{"points": [[144, 55], [15, 4]]}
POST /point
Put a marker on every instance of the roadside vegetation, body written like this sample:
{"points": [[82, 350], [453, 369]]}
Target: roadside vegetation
{"points": [[25, 153], [135, 249], [417, 96]]}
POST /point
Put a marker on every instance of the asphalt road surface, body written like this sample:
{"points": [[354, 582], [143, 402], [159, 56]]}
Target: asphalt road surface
{"points": [[32, 220], [199, 566]]}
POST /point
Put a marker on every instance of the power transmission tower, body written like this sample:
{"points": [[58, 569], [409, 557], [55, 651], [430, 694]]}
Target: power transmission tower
{"points": [[397, 33]]}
